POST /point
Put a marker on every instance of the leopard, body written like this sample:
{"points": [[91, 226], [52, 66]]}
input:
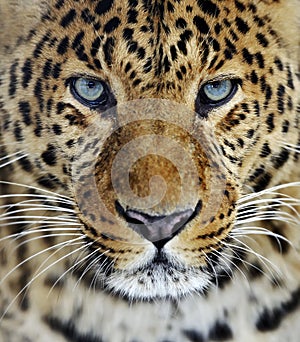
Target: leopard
{"points": [[149, 160]]}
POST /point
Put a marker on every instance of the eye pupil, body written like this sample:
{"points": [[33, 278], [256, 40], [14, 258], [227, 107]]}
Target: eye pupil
{"points": [[215, 84], [90, 84]]}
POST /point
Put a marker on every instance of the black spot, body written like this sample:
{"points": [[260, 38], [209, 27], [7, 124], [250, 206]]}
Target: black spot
{"points": [[256, 108], [18, 132], [224, 278], [189, 8], [208, 7], [13, 79], [68, 330], [179, 75], [280, 159], [68, 18], [128, 34], [170, 7], [38, 92], [97, 63], [268, 92], [182, 47], [128, 67], [260, 60], [57, 129], [24, 108], [47, 68], [265, 151], [147, 66], [112, 24], [278, 63], [27, 73], [132, 16], [220, 332], [132, 75], [132, 47], [80, 52], [241, 25], [240, 142], [56, 70], [219, 65], [49, 156], [39, 127], [254, 77], [104, 6], [186, 35], [173, 52], [60, 107], [95, 46], [59, 4], [25, 164], [180, 23], [269, 320], [250, 133], [77, 40], [239, 6], [108, 50], [290, 82], [285, 126], [262, 182], [218, 28], [49, 181], [270, 122], [230, 46], [141, 52], [193, 335], [255, 270], [280, 98], [201, 24], [257, 172], [40, 45], [49, 106], [24, 280], [262, 40], [63, 46], [216, 46]]}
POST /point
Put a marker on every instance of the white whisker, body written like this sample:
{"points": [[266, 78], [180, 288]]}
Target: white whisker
{"points": [[37, 189], [66, 244], [12, 160]]}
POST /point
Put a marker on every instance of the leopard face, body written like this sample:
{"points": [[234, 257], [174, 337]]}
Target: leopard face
{"points": [[148, 123]]}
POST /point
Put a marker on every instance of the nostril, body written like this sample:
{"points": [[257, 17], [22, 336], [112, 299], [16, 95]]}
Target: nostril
{"points": [[158, 229]]}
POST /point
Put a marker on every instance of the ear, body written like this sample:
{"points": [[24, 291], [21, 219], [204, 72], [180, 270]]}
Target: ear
{"points": [[17, 18]]}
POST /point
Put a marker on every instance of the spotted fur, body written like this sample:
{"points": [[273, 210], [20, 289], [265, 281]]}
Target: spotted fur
{"points": [[75, 265]]}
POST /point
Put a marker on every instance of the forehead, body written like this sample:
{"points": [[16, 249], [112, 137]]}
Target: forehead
{"points": [[160, 44]]}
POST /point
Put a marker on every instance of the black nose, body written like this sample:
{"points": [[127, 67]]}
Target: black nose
{"points": [[157, 229]]}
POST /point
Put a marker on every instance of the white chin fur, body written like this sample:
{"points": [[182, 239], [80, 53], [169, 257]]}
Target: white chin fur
{"points": [[157, 283]]}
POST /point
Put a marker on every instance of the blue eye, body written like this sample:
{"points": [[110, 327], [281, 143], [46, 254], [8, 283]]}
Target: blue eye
{"points": [[218, 91], [214, 94], [90, 92]]}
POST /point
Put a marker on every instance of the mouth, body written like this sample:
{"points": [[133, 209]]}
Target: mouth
{"points": [[159, 277]]}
